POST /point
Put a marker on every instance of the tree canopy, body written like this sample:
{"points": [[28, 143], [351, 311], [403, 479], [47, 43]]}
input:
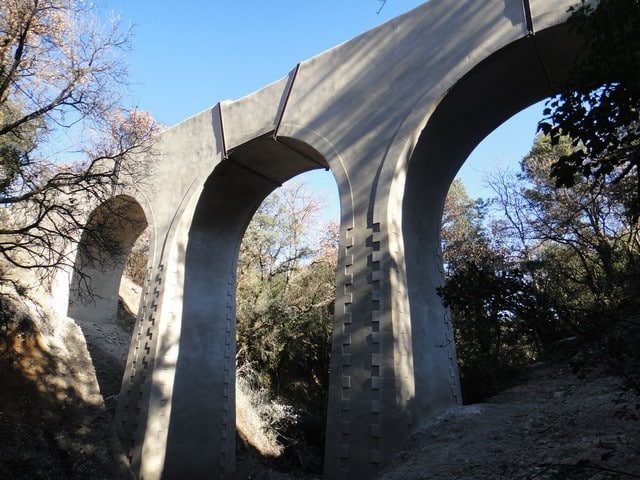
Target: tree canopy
{"points": [[598, 106], [285, 296]]}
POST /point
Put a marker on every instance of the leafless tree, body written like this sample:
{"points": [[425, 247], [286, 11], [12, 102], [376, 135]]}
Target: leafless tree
{"points": [[66, 138]]}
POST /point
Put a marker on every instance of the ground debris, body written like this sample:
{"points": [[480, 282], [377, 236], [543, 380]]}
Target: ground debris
{"points": [[552, 426]]}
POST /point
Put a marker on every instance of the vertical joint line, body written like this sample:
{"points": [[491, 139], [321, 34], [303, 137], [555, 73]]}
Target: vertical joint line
{"points": [[377, 362], [225, 155], [286, 101], [528, 18], [544, 68]]}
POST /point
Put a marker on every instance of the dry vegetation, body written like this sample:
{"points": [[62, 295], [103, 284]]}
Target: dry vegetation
{"points": [[60, 382], [53, 423]]}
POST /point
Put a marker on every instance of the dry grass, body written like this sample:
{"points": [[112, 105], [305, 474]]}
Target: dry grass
{"points": [[258, 417]]}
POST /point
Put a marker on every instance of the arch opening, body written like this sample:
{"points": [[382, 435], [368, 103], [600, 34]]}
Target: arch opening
{"points": [[102, 253], [204, 388], [94, 295], [519, 75], [285, 312]]}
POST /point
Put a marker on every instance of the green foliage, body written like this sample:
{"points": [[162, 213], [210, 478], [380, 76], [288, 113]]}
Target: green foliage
{"points": [[555, 263], [12, 161], [462, 235], [15, 146], [285, 296], [285, 301], [599, 104], [483, 300], [498, 320], [580, 249], [583, 235]]}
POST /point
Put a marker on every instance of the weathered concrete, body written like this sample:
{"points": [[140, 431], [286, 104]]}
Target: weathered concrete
{"points": [[393, 114], [109, 234]]}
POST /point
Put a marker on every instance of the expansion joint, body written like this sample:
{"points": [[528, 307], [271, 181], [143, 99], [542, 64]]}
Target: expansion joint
{"points": [[547, 78], [286, 100], [302, 154], [528, 18], [255, 172], [223, 141]]}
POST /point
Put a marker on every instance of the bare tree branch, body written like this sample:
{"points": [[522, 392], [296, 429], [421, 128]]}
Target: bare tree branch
{"points": [[61, 69]]}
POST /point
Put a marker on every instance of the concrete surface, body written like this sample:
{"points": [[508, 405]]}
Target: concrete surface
{"points": [[393, 113]]}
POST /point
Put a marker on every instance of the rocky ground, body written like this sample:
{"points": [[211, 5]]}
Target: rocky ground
{"points": [[59, 383], [555, 425], [53, 421]]}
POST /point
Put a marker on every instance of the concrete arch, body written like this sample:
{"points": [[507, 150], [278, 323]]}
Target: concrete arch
{"points": [[110, 232], [393, 113], [477, 104], [193, 399], [203, 393], [334, 164]]}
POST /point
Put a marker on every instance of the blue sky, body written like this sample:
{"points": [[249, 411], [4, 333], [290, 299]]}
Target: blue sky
{"points": [[189, 55]]}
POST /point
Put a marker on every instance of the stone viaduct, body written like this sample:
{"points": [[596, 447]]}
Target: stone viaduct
{"points": [[393, 114]]}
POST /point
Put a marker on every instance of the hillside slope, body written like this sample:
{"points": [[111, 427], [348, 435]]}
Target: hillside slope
{"points": [[53, 421]]}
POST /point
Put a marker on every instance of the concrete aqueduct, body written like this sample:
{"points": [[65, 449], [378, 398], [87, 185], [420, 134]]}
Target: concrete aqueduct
{"points": [[393, 114]]}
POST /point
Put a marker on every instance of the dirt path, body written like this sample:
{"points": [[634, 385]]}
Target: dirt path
{"points": [[554, 426]]}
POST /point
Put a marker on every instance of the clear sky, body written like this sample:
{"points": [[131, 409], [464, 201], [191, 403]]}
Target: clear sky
{"points": [[189, 55]]}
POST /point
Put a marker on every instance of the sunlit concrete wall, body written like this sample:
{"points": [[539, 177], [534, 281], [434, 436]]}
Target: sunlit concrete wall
{"points": [[109, 233]]}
